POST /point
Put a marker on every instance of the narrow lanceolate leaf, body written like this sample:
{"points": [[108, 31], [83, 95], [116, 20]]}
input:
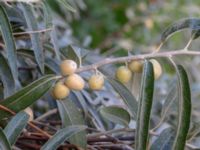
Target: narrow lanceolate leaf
{"points": [[47, 14], [191, 23], [54, 40], [15, 126], [28, 95], [9, 42], [6, 77], [70, 115], [75, 53], [184, 108], [49, 24], [145, 104], [66, 5], [126, 95], [35, 38], [4, 144], [195, 34], [116, 114], [52, 64], [61, 136], [164, 140]]}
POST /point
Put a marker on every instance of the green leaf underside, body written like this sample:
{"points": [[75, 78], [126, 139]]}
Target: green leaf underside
{"points": [[15, 126], [6, 77], [191, 23], [126, 95], [35, 38], [164, 140], [4, 144], [28, 95], [61, 136], [70, 115], [145, 105], [116, 114], [9, 42], [184, 109]]}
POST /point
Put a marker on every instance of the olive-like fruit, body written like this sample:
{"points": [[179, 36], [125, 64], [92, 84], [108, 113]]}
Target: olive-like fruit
{"points": [[75, 82], [123, 74], [68, 67], [156, 68], [29, 111], [60, 91], [136, 66], [96, 82]]}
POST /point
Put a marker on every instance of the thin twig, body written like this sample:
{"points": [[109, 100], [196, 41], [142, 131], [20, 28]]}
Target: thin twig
{"points": [[29, 123], [137, 57], [32, 32], [51, 112], [109, 132]]}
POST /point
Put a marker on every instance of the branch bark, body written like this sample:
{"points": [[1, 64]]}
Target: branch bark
{"points": [[137, 57]]}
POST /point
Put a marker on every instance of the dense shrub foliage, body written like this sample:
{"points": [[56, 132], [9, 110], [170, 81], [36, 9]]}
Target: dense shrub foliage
{"points": [[77, 74]]}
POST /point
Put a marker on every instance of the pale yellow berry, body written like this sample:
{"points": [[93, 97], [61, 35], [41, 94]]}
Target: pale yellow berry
{"points": [[29, 111], [149, 23], [123, 74], [157, 68], [68, 67], [75, 82], [136, 66], [96, 82], [60, 91]]}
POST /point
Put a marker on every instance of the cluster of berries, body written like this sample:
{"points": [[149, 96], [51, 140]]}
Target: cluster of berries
{"points": [[124, 73], [73, 81]]}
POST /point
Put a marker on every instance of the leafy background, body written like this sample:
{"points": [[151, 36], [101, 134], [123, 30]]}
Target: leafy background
{"points": [[93, 31]]}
